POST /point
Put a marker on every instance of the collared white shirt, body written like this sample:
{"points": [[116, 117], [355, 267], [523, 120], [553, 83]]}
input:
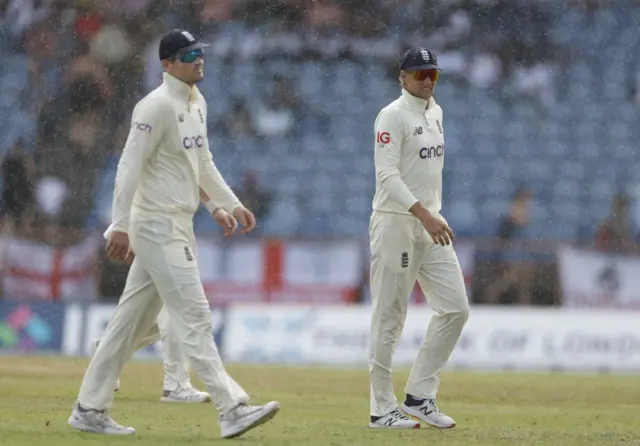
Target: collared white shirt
{"points": [[166, 158], [409, 155]]}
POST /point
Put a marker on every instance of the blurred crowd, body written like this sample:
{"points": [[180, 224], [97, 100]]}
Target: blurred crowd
{"points": [[90, 61]]}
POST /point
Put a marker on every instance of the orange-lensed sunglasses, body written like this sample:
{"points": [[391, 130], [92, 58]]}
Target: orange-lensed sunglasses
{"points": [[424, 74]]}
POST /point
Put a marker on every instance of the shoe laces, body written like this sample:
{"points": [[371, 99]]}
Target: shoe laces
{"points": [[396, 415], [103, 417], [429, 407], [244, 409], [188, 391], [241, 410]]}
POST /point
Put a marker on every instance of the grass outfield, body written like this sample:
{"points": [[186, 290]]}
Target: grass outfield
{"points": [[325, 407]]}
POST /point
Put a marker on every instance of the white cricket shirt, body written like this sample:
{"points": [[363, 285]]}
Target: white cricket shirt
{"points": [[409, 155], [166, 158]]}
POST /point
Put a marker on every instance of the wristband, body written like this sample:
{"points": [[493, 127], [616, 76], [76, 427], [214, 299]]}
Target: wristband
{"points": [[211, 206]]}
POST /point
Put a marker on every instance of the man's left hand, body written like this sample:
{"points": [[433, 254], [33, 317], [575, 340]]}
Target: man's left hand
{"points": [[246, 219], [225, 221]]}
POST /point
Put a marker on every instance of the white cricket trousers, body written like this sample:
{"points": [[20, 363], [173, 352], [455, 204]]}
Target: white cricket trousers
{"points": [[164, 272], [401, 253], [175, 361]]}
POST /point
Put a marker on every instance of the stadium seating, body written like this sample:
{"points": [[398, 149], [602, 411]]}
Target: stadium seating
{"points": [[574, 156]]}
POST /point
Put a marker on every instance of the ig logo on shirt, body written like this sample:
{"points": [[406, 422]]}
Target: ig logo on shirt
{"points": [[383, 137], [189, 142]]}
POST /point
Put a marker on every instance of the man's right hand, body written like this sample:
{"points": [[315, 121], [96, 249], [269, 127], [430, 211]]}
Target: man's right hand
{"points": [[225, 221], [439, 231], [245, 218], [118, 247]]}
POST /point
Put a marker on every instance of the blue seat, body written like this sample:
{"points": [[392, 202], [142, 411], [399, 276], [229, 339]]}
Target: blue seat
{"points": [[567, 190]]}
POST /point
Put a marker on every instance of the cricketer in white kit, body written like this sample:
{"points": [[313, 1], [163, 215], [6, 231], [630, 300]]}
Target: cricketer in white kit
{"points": [[165, 162], [177, 386], [409, 241]]}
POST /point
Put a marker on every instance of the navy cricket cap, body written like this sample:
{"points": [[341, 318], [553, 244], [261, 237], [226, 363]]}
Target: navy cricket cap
{"points": [[419, 58], [178, 41]]}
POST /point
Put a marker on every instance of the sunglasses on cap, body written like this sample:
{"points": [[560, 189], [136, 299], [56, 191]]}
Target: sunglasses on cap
{"points": [[421, 75], [190, 56]]}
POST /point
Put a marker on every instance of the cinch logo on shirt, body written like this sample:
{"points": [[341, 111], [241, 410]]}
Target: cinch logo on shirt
{"points": [[189, 142], [431, 152], [142, 127]]}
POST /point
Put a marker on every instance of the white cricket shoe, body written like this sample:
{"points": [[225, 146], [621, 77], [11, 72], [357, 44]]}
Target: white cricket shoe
{"points": [[394, 420], [98, 422], [243, 417], [428, 412], [95, 347], [188, 395]]}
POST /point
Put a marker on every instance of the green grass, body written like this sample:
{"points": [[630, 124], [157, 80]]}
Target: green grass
{"points": [[325, 407]]}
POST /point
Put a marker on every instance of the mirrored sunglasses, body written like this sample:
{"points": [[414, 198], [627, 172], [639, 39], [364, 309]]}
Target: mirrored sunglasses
{"points": [[191, 56], [424, 74]]}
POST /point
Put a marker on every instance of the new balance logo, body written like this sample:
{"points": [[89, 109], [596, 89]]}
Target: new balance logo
{"points": [[426, 410], [439, 126], [404, 260], [187, 253], [417, 131]]}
